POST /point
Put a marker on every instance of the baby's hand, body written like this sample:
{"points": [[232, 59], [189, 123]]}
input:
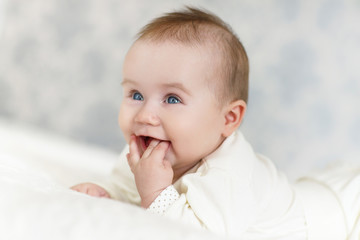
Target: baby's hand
{"points": [[153, 173], [91, 189]]}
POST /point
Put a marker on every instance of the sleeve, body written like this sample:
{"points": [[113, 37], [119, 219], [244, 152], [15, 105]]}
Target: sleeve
{"points": [[165, 199]]}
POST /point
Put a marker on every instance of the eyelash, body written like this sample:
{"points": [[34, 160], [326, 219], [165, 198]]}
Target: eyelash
{"points": [[133, 92], [173, 96]]}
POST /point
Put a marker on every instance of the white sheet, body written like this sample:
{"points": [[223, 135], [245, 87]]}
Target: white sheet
{"points": [[35, 202]]}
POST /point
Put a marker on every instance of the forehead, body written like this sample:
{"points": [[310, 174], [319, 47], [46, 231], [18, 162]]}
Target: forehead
{"points": [[169, 59], [169, 50]]}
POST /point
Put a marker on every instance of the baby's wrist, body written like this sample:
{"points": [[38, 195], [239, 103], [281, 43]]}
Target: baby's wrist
{"points": [[148, 199]]}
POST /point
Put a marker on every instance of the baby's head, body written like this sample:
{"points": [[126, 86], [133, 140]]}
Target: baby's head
{"points": [[197, 28], [185, 81]]}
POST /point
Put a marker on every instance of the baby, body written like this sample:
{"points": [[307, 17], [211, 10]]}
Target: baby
{"points": [[185, 82]]}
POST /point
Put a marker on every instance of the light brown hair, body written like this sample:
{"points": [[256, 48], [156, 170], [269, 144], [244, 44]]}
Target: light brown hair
{"points": [[195, 26]]}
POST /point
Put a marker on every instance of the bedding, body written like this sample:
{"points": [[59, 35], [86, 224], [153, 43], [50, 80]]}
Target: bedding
{"points": [[36, 170]]}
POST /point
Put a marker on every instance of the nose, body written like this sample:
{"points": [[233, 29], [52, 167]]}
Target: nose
{"points": [[147, 115]]}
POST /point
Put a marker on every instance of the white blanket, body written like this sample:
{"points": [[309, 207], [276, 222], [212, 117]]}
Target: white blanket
{"points": [[35, 202]]}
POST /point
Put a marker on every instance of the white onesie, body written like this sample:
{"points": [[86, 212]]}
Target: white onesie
{"points": [[237, 193]]}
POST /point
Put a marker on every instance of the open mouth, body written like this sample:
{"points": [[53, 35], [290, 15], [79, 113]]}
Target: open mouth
{"points": [[145, 141]]}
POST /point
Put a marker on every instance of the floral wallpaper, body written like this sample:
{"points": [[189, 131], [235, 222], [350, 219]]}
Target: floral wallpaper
{"points": [[61, 63]]}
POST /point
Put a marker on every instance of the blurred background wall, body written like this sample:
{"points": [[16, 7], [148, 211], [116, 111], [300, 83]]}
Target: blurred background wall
{"points": [[61, 60]]}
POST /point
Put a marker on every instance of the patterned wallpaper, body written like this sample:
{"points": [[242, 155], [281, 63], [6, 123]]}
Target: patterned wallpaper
{"points": [[60, 70]]}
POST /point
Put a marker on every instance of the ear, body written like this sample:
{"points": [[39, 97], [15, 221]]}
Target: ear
{"points": [[234, 114]]}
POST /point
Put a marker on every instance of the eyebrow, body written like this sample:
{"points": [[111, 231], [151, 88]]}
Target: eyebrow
{"points": [[166, 85], [128, 81], [178, 86]]}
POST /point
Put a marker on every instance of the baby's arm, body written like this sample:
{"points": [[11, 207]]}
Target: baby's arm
{"points": [[153, 178], [91, 189], [153, 173]]}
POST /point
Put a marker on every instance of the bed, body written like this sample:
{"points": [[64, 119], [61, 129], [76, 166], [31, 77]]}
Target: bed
{"points": [[36, 170]]}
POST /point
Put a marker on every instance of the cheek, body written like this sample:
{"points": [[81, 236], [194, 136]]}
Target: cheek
{"points": [[190, 130], [200, 129], [202, 122], [125, 120]]}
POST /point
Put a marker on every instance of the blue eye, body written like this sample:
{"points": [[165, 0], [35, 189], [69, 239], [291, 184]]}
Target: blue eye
{"points": [[173, 100], [137, 96]]}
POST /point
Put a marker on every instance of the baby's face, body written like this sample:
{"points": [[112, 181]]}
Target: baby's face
{"points": [[167, 97]]}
